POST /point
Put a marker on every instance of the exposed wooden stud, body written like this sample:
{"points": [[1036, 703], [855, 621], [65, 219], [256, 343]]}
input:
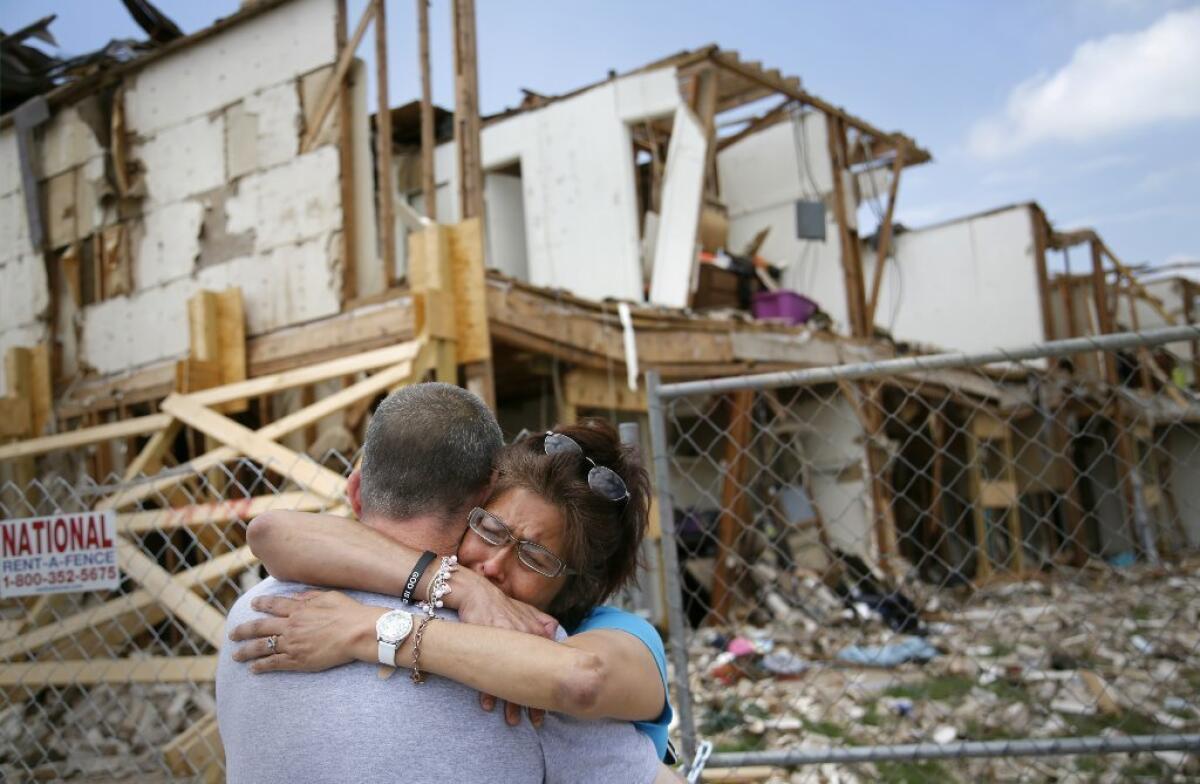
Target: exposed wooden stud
{"points": [[219, 512], [88, 672], [274, 456], [428, 142], [149, 459], [197, 750], [186, 606], [316, 120], [885, 234], [330, 404], [347, 182], [734, 500], [132, 611], [1041, 231], [466, 112], [383, 149], [852, 274], [85, 437]]}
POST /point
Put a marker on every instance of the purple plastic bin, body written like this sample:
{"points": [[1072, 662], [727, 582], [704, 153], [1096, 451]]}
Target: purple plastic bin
{"points": [[784, 306]]}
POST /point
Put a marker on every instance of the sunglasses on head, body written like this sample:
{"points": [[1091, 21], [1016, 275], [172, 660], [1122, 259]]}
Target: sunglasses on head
{"points": [[603, 481]]}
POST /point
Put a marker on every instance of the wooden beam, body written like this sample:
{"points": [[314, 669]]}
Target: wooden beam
{"points": [[85, 437], [312, 374], [385, 379], [219, 512], [468, 279], [730, 62], [600, 391], [151, 455], [347, 181], [128, 614], [197, 750], [316, 120], [466, 112], [734, 500], [273, 456], [1041, 231], [15, 421], [188, 608], [90, 672], [885, 235], [383, 147], [428, 141], [852, 274], [756, 124]]}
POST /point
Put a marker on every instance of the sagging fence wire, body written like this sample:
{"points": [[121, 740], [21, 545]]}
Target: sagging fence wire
{"points": [[985, 557]]}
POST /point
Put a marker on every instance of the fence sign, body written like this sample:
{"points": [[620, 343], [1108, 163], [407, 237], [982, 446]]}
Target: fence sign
{"points": [[64, 553]]}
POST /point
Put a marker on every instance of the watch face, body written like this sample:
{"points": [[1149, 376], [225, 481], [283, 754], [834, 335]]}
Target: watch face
{"points": [[393, 625]]}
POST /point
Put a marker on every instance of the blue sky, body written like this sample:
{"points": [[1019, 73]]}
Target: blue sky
{"points": [[1091, 107]]}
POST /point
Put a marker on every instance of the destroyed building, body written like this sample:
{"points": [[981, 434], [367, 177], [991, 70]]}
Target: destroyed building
{"points": [[176, 226]]}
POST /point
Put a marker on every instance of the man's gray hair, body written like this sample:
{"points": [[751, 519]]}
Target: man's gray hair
{"points": [[429, 449]]}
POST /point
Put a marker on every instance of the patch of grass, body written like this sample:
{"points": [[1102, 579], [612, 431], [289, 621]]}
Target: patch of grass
{"points": [[1001, 649], [872, 717], [913, 773], [1128, 722], [1009, 692], [944, 687], [977, 730], [740, 742], [1089, 764], [757, 711], [826, 728], [1141, 613]]}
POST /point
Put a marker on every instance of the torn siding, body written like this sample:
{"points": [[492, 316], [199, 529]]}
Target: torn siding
{"points": [[970, 284], [275, 48], [577, 178], [219, 196]]}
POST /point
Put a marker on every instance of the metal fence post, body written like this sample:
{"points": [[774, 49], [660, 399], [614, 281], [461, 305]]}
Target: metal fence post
{"points": [[676, 620]]}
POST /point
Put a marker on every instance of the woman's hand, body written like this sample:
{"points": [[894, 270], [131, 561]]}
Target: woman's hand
{"points": [[480, 602], [313, 631]]}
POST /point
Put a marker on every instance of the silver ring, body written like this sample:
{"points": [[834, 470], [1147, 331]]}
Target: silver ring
{"points": [[272, 641]]}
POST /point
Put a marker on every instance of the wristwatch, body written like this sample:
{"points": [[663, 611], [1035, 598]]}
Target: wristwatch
{"points": [[390, 630]]}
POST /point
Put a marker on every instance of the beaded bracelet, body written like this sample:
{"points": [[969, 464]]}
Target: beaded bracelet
{"points": [[439, 586]]}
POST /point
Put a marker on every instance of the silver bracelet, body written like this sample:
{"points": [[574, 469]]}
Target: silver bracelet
{"points": [[439, 586]]}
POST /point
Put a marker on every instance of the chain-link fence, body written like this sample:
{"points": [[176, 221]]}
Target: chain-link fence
{"points": [[939, 568], [118, 685]]}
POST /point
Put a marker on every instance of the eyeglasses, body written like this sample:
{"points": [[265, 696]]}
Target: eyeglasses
{"points": [[604, 481], [492, 530]]}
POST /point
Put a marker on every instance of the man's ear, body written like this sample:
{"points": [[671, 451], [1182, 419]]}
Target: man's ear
{"points": [[354, 492]]}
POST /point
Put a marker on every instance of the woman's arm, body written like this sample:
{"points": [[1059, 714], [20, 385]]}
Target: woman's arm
{"points": [[337, 552], [597, 674]]}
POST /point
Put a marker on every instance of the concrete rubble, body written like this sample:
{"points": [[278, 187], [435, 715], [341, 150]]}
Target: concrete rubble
{"points": [[109, 733], [1099, 652]]}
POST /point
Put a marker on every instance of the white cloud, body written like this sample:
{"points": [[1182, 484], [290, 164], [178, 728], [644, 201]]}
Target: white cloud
{"points": [[1111, 84]]}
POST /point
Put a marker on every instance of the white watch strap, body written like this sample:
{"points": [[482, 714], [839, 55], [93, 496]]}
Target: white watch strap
{"points": [[387, 653]]}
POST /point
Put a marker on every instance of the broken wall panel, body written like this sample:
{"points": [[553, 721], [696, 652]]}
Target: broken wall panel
{"points": [[683, 184], [576, 163], [220, 196], [776, 166], [273, 48], [288, 204], [993, 302]]}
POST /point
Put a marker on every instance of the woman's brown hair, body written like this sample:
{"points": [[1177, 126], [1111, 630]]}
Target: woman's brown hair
{"points": [[601, 538]]}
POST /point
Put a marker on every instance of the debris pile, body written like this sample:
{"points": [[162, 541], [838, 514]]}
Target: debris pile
{"points": [[1097, 652], [103, 732]]}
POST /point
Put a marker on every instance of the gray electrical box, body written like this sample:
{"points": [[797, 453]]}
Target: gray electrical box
{"points": [[810, 220]]}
